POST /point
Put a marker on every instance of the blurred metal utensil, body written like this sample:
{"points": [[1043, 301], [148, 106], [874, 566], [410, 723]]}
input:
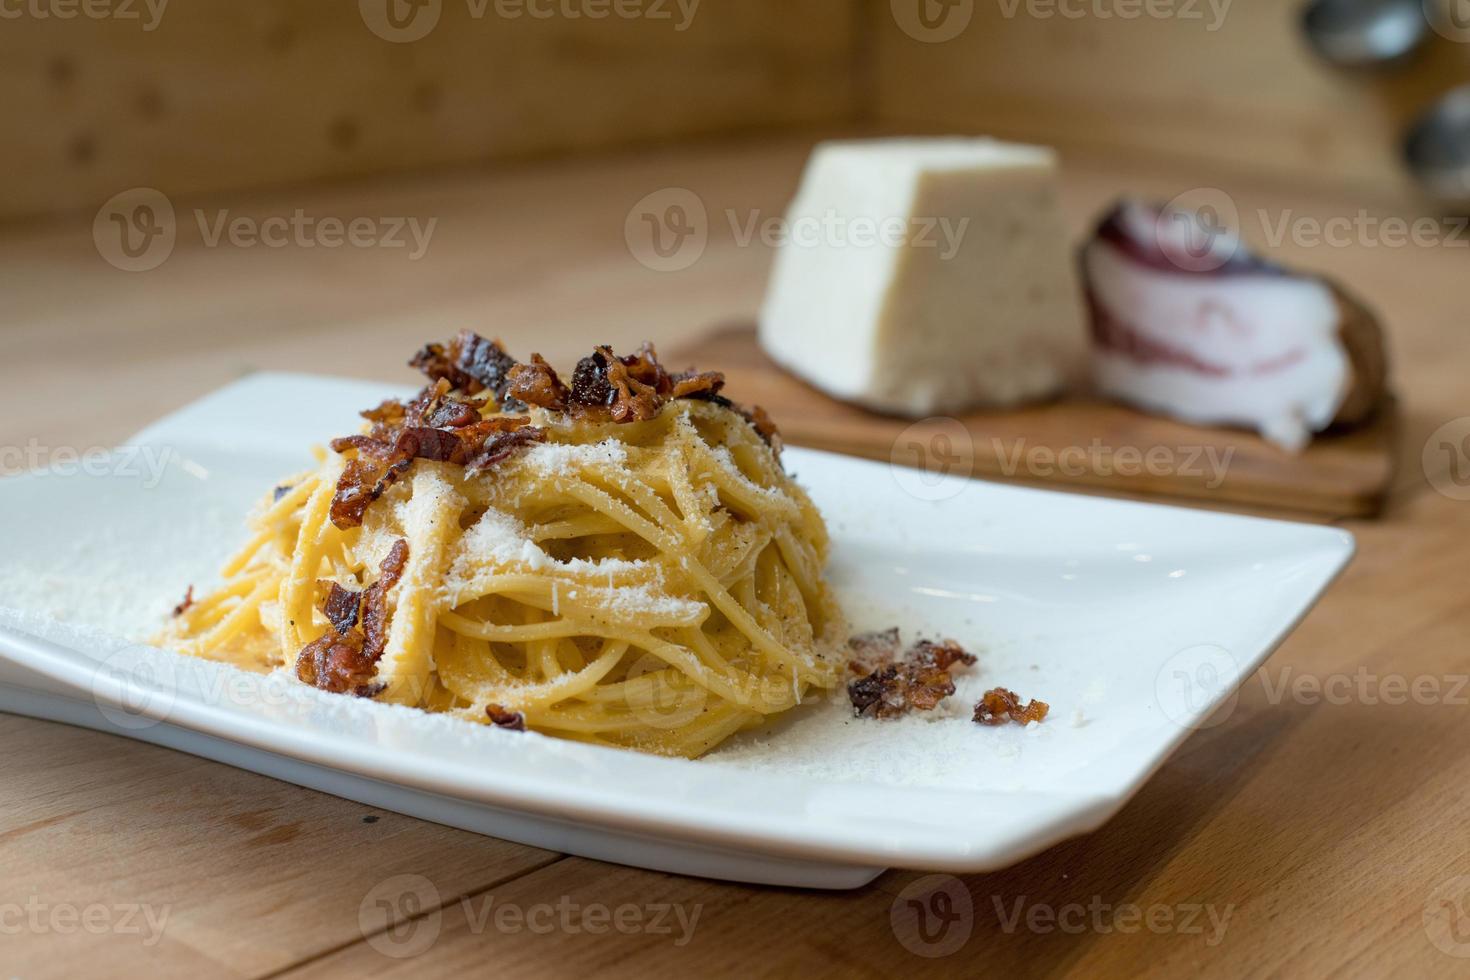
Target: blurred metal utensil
{"points": [[1364, 33], [1437, 148]]}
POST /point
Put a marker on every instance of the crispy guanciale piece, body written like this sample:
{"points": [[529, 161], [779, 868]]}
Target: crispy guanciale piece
{"points": [[341, 608], [1000, 705], [632, 388], [512, 721], [691, 384], [345, 659], [536, 384], [627, 389], [337, 664], [503, 446], [183, 607], [639, 383], [441, 425], [890, 687], [374, 615], [434, 426], [470, 363], [873, 650]]}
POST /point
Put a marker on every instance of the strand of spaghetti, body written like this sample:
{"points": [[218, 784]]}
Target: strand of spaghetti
{"points": [[758, 692], [546, 659], [725, 686], [802, 563], [537, 590], [739, 618], [744, 557], [597, 603], [798, 614], [528, 697], [208, 612], [521, 634], [269, 523], [717, 726], [432, 515], [462, 657], [735, 486], [644, 497], [603, 502], [241, 558], [696, 511], [576, 527], [299, 487], [234, 623], [298, 584]]}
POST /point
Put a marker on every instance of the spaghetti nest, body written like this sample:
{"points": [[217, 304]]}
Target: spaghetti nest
{"points": [[621, 560]]}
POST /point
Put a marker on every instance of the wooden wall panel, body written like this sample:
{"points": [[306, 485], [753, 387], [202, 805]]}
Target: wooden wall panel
{"points": [[221, 94], [1240, 89]]}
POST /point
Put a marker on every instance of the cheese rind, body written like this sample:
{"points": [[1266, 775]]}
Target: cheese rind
{"points": [[966, 297]]}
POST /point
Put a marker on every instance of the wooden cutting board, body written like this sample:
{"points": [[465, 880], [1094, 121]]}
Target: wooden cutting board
{"points": [[1079, 442]]}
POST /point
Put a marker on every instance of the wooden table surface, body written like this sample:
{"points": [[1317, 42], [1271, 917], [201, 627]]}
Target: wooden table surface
{"points": [[1310, 833]]}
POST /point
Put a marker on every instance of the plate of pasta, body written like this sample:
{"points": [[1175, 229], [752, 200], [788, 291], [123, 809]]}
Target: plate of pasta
{"points": [[610, 613]]}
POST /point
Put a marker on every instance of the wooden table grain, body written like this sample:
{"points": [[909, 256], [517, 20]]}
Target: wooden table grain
{"points": [[1319, 829]]}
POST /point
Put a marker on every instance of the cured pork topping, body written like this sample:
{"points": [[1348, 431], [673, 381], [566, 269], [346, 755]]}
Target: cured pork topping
{"points": [[633, 388], [449, 422], [890, 685], [512, 721], [470, 364], [346, 657], [1186, 322], [1000, 705], [437, 426]]}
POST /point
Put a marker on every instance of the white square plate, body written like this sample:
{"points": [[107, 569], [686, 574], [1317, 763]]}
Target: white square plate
{"points": [[1135, 622]]}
